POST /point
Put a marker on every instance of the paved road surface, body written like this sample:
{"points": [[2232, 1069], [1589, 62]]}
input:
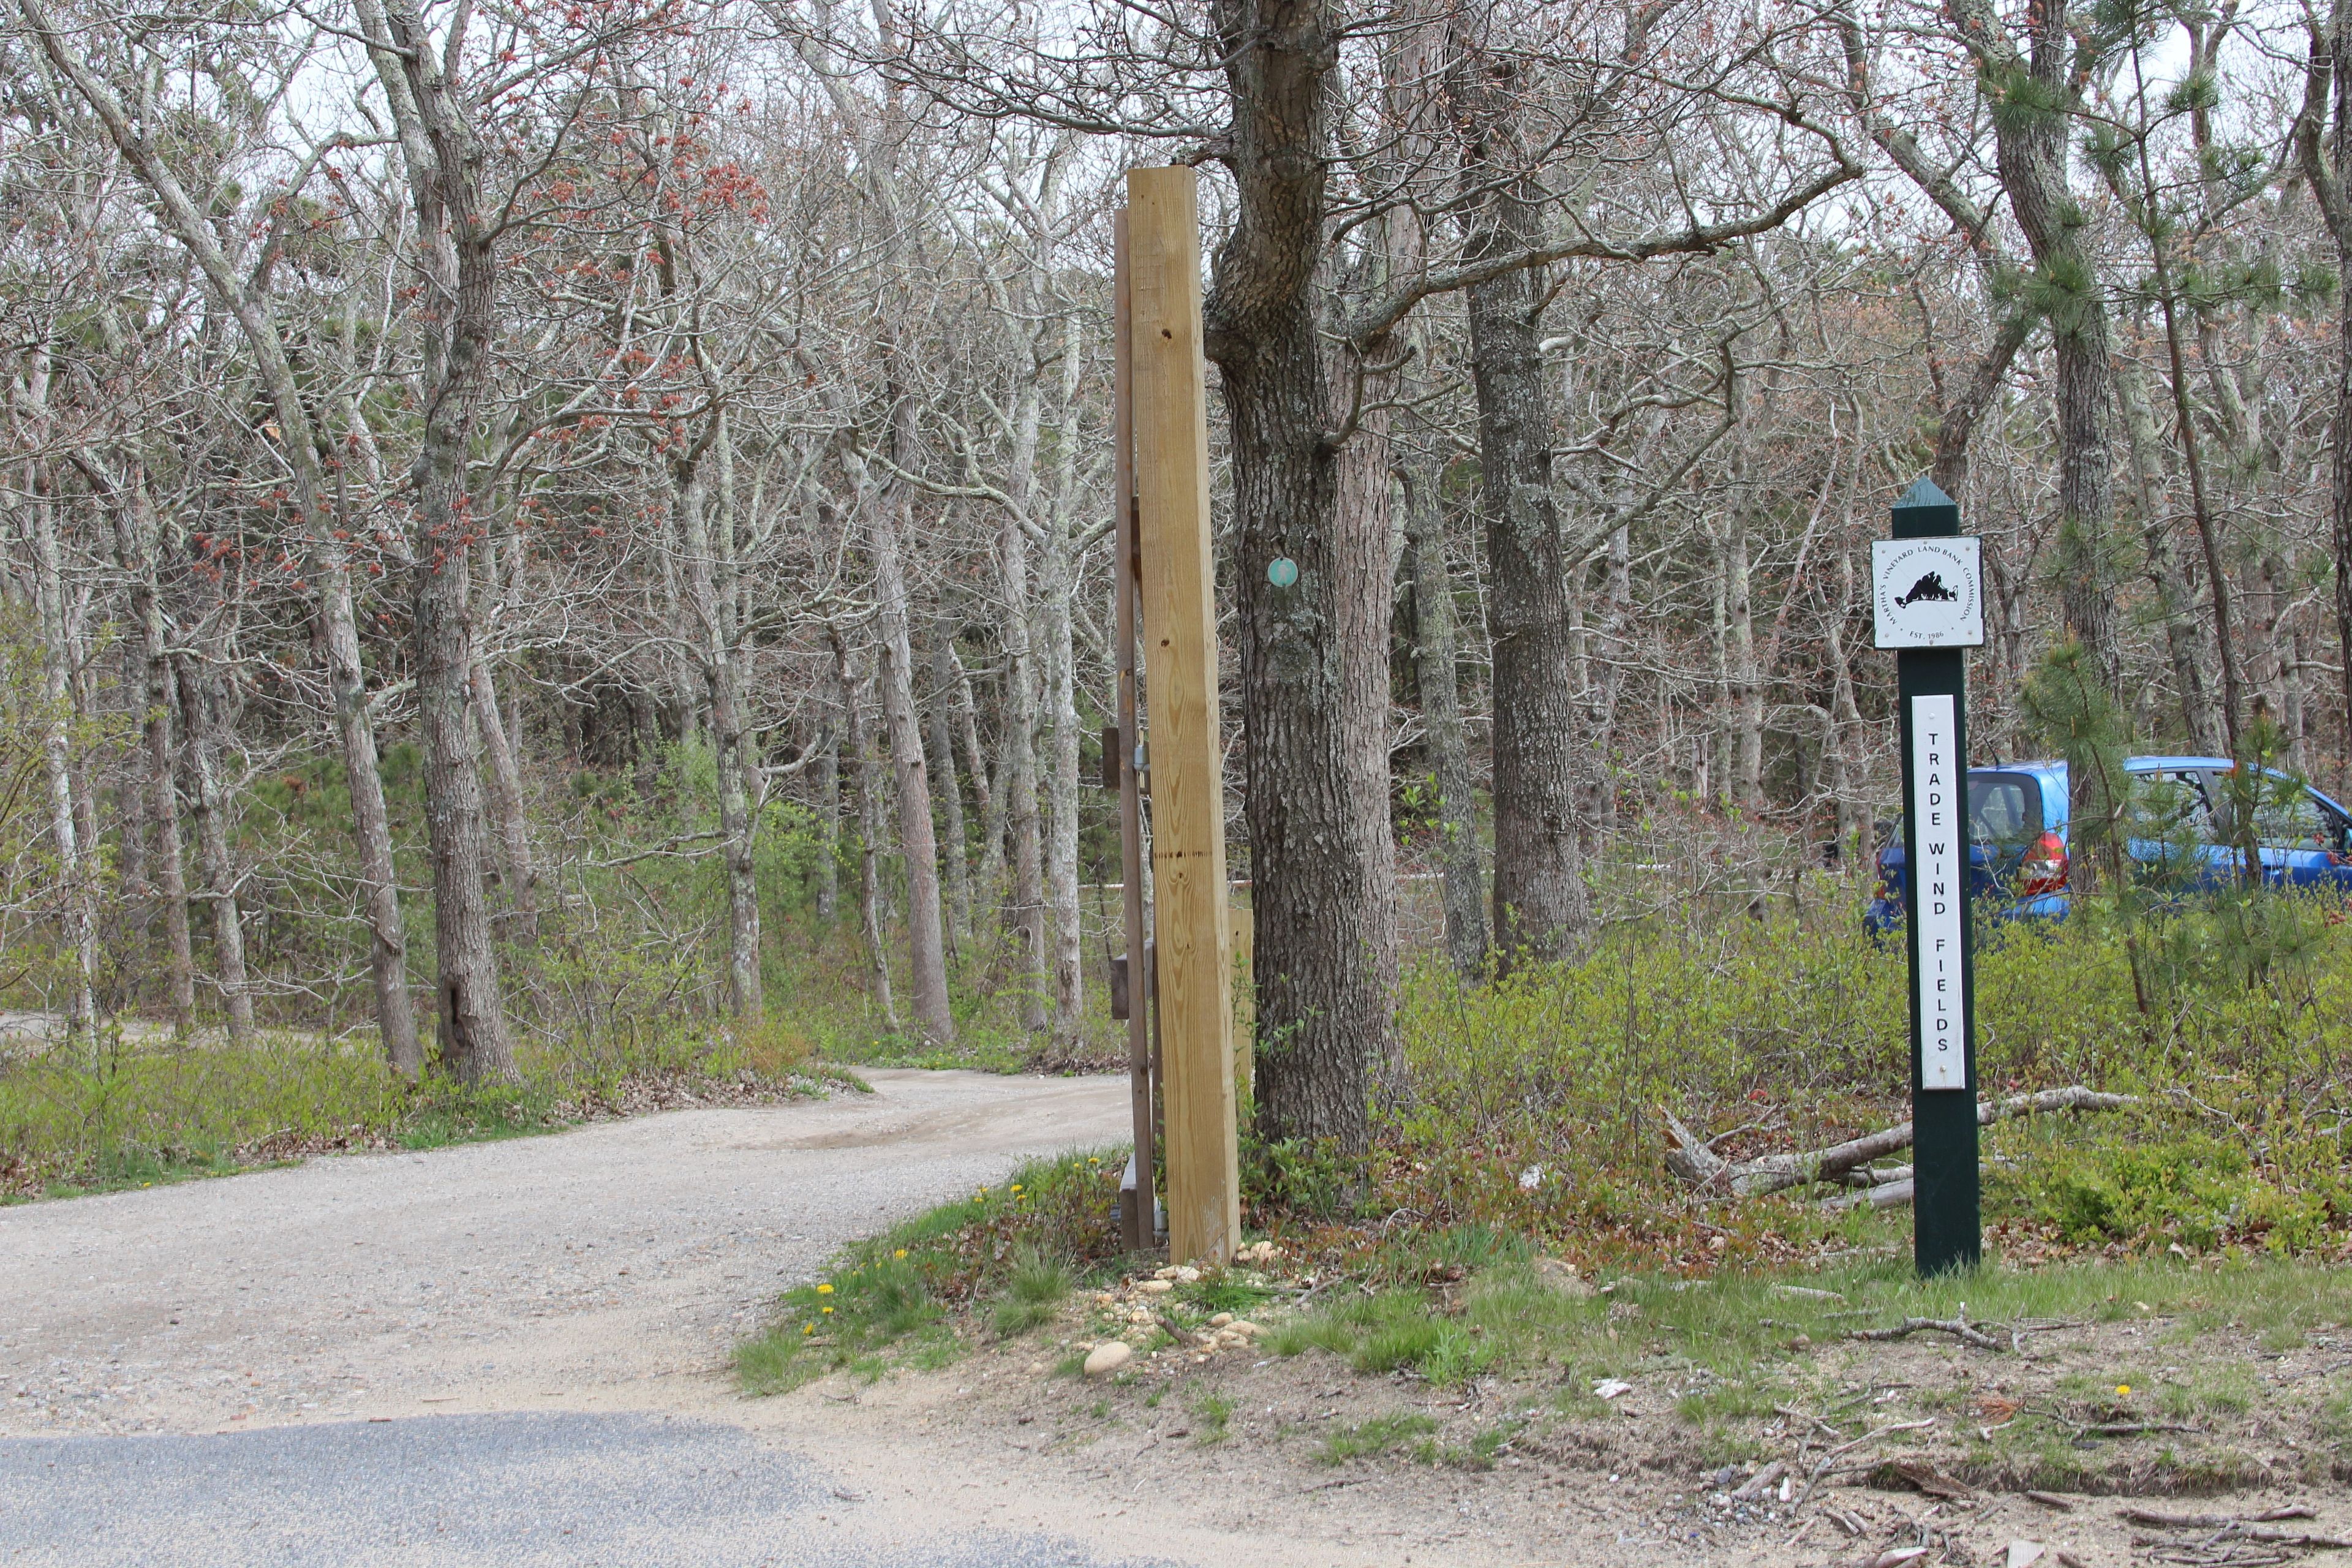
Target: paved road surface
{"points": [[501, 1354]]}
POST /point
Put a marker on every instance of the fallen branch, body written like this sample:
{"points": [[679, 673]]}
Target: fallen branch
{"points": [[1690, 1156], [2212, 1521], [1956, 1327]]}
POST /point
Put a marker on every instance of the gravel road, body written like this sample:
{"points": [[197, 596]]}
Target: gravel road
{"points": [[501, 1352]]}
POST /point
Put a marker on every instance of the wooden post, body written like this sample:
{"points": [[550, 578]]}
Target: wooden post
{"points": [[1194, 946], [1137, 1208]]}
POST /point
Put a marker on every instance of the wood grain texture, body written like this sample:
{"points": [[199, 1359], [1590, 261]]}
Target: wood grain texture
{"points": [[1187, 752]]}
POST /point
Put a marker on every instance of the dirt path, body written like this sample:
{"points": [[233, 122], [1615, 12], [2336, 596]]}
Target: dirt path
{"points": [[518, 1353], [583, 1271]]}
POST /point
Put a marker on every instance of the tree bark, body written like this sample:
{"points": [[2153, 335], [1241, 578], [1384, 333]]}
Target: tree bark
{"points": [[1057, 588], [136, 548], [918, 841], [60, 657], [1435, 655], [1541, 904], [857, 689], [712, 637], [1323, 1015], [1020, 746], [456, 250], [955, 852], [200, 707], [2175, 611], [2033, 96], [986, 795], [2324, 144]]}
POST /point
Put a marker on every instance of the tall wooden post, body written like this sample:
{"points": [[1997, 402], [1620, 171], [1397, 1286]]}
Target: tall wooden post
{"points": [[1194, 945], [1137, 1206]]}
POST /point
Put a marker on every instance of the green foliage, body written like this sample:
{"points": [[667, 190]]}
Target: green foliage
{"points": [[76, 1118], [1379, 1435], [1533, 1103], [1038, 1283]]}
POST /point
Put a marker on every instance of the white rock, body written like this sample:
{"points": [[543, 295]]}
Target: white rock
{"points": [[1611, 1388], [1220, 1319], [1108, 1357], [2026, 1553], [1154, 1287], [1185, 1274], [1243, 1327]]}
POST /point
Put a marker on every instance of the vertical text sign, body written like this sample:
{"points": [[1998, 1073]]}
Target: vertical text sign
{"points": [[1940, 806]]}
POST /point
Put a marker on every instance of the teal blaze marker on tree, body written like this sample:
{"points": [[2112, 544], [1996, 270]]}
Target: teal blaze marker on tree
{"points": [[1931, 684], [1282, 572]]}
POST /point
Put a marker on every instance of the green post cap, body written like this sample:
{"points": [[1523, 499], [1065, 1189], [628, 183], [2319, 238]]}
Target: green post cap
{"points": [[1925, 512]]}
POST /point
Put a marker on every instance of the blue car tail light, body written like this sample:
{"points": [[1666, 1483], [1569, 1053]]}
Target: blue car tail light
{"points": [[2044, 869]]}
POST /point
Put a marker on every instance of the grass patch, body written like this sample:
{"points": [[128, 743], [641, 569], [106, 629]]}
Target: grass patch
{"points": [[1382, 1435], [1212, 1413], [1013, 1250], [1032, 1293]]}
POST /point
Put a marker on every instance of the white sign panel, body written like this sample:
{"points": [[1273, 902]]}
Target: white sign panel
{"points": [[1927, 592], [1939, 812]]}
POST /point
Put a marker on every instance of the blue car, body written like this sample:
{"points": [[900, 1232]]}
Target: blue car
{"points": [[2019, 867]]}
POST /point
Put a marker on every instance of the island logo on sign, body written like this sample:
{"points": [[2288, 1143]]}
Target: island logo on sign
{"points": [[1931, 586], [1926, 592]]}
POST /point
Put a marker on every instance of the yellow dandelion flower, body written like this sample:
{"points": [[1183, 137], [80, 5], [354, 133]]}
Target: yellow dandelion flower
{"points": [[1016, 1186], [825, 1289], [808, 1328], [2123, 1391], [828, 1312], [900, 1253]]}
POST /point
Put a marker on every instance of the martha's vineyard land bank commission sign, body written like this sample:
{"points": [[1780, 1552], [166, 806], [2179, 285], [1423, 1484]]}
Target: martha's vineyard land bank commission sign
{"points": [[1927, 592]]}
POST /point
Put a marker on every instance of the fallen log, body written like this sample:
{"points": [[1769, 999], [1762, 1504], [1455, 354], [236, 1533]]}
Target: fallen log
{"points": [[1690, 1156]]}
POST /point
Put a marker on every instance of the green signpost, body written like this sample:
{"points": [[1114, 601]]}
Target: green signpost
{"points": [[1927, 604]]}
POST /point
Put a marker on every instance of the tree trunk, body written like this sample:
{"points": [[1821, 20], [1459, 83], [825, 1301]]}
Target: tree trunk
{"points": [[917, 841], [990, 798], [456, 246], [955, 852], [1323, 1015], [75, 845], [200, 708], [171, 871], [1057, 588], [1434, 659], [1541, 904], [2033, 97], [2175, 610], [1020, 743], [866, 779], [505, 780], [712, 637], [826, 771]]}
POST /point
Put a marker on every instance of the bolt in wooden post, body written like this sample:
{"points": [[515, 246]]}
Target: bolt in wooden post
{"points": [[1187, 793]]}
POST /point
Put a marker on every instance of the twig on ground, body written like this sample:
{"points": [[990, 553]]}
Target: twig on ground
{"points": [[1956, 1327], [1829, 1462]]}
